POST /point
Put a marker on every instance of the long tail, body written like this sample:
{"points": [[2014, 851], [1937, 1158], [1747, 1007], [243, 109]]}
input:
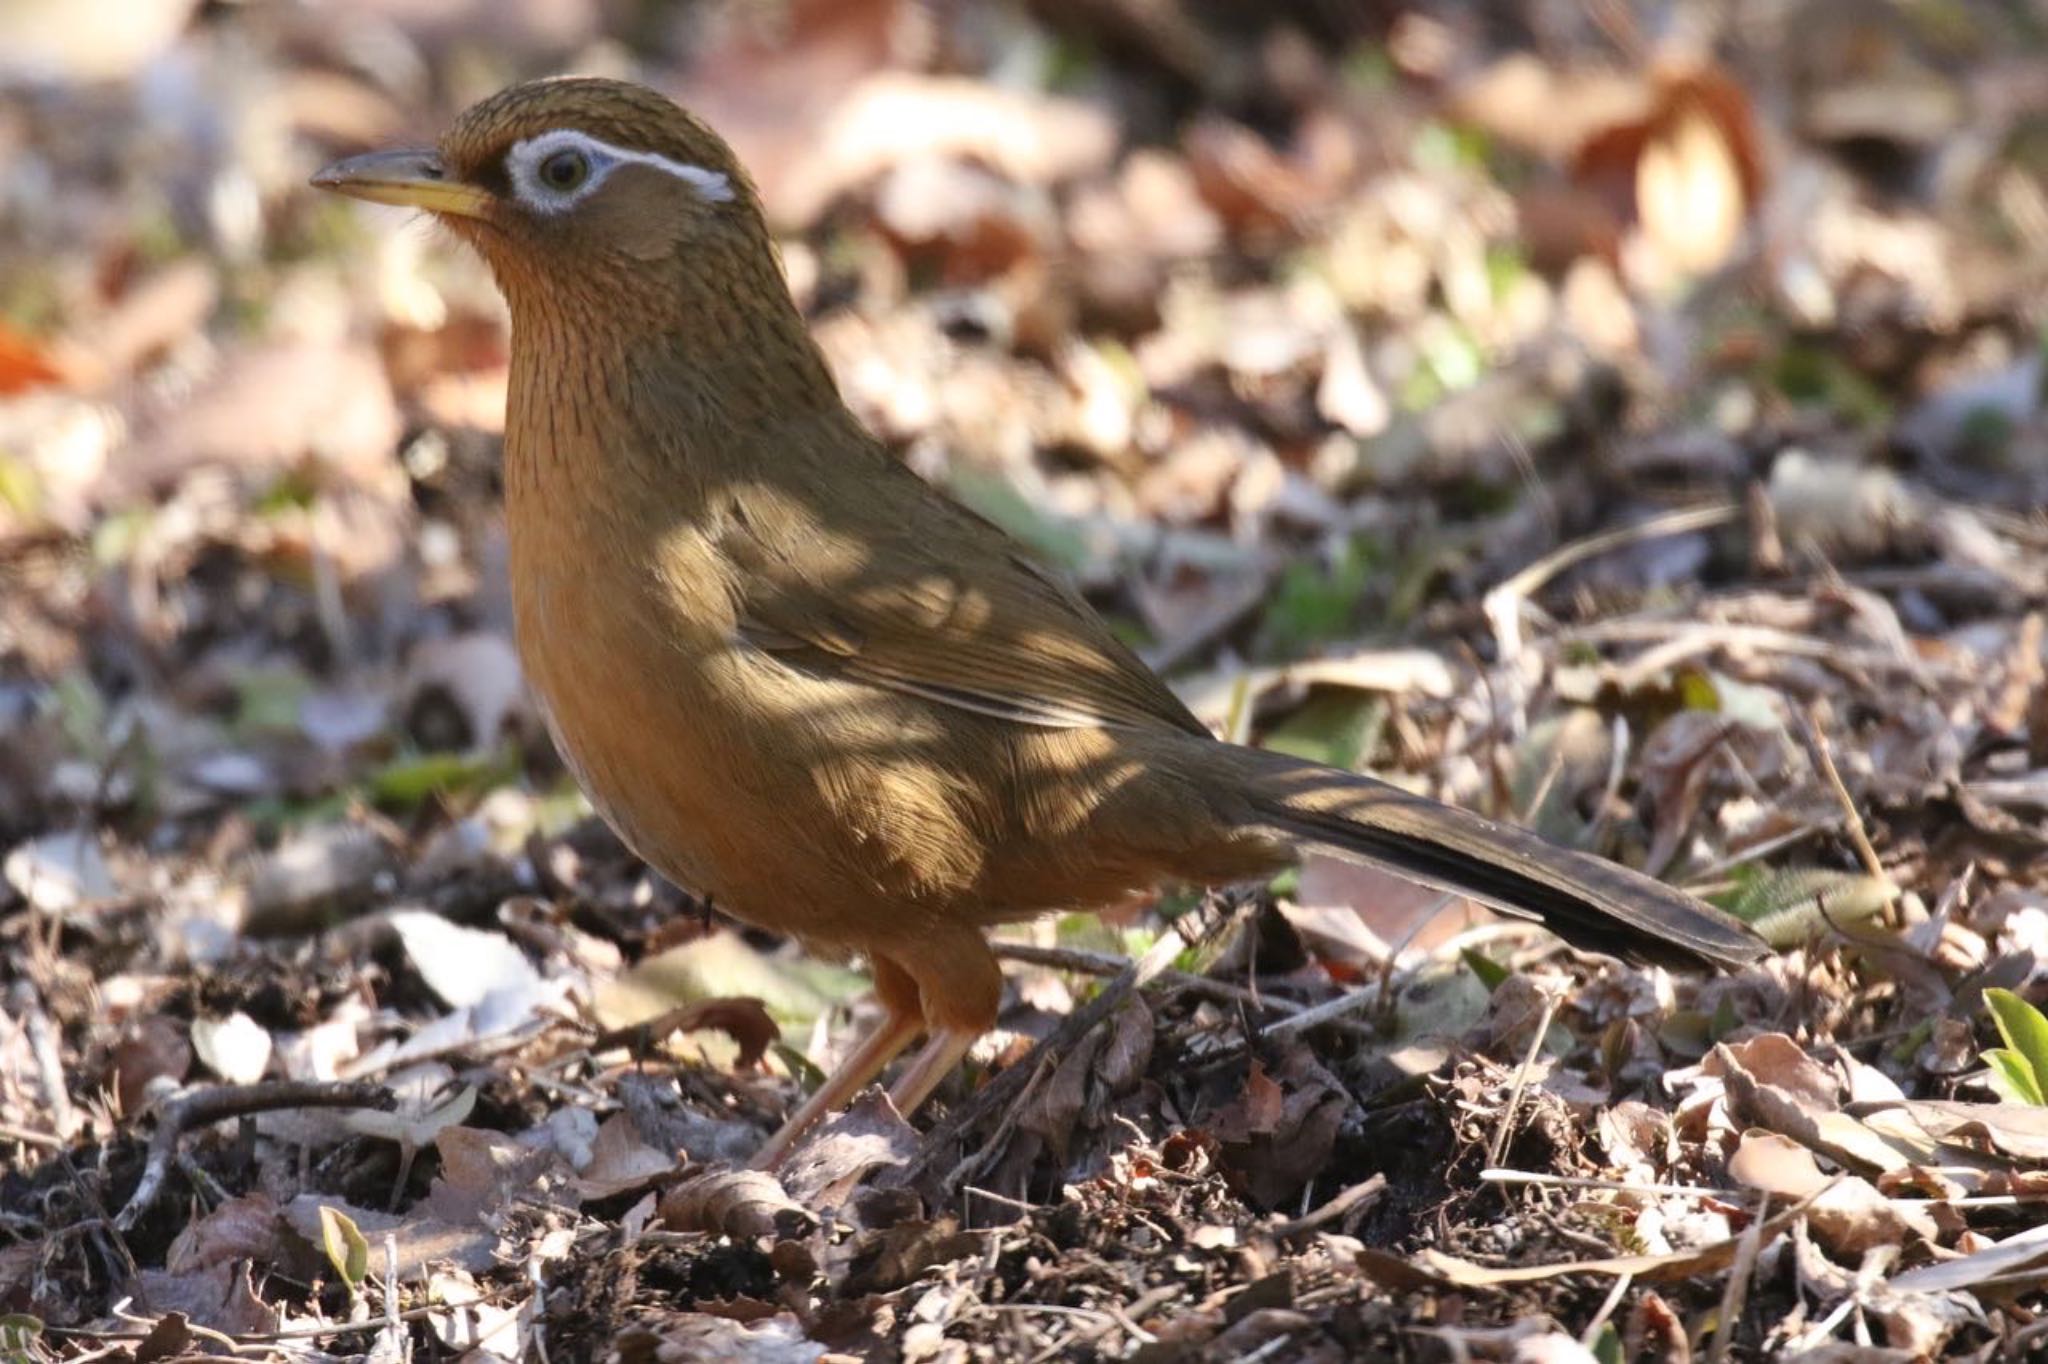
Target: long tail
{"points": [[1589, 902]]}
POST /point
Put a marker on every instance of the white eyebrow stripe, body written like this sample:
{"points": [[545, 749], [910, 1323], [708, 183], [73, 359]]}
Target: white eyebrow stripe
{"points": [[527, 154]]}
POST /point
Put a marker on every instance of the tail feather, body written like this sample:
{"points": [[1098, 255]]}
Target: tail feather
{"points": [[1591, 903]]}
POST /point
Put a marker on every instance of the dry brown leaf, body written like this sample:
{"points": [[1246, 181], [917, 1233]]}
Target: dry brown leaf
{"points": [[2009, 1129], [1847, 1213], [896, 117], [245, 1228], [868, 1135], [56, 42], [1690, 168], [150, 1050], [743, 1204], [1774, 1084], [770, 85], [620, 1161], [2022, 1252], [152, 315], [270, 407], [482, 1172], [743, 1018], [219, 1297], [420, 1239], [25, 363], [1279, 1132]]}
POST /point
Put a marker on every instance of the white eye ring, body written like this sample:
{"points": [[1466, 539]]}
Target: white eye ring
{"points": [[523, 165]]}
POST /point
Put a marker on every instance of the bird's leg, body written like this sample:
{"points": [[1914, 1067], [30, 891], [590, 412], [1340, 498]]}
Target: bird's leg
{"points": [[900, 1022], [932, 1064], [960, 988]]}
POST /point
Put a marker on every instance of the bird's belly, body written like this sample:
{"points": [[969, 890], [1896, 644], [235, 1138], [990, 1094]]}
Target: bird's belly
{"points": [[807, 806], [842, 812]]}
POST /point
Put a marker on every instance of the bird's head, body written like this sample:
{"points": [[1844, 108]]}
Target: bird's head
{"points": [[576, 184]]}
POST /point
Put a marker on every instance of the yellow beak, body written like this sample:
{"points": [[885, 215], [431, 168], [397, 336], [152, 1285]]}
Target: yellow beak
{"points": [[410, 177]]}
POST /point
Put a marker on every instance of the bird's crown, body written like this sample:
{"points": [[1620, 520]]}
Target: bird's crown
{"points": [[549, 144]]}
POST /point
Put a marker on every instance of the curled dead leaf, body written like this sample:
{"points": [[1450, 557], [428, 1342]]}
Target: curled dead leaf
{"points": [[743, 1204]]}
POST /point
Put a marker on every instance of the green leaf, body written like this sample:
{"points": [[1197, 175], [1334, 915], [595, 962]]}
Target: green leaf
{"points": [[2013, 1079], [1607, 1345], [1062, 543], [405, 783], [346, 1248], [1490, 972], [20, 487], [1696, 691], [19, 1333], [2025, 1033], [1686, 1032], [1787, 907], [268, 700], [1334, 727], [1315, 602], [1725, 1020]]}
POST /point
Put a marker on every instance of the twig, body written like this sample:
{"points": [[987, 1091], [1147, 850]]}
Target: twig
{"points": [[1759, 638], [1500, 1176], [1109, 964], [49, 1059], [1610, 794], [400, 1341], [254, 1338], [1857, 833], [1732, 1298], [1329, 1212], [1591, 1334], [233, 1101], [1507, 1118], [1502, 602]]}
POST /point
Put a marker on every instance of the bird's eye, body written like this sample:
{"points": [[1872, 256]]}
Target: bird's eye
{"points": [[565, 171]]}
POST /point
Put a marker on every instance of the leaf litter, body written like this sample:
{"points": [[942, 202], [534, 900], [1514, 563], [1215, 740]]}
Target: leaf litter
{"points": [[1631, 430]]}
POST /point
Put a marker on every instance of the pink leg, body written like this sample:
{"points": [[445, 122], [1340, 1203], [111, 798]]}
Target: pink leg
{"points": [[930, 1067], [902, 1019], [959, 987], [945, 982], [877, 1049]]}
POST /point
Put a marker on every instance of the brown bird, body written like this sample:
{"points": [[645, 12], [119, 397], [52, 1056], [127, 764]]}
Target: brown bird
{"points": [[797, 678]]}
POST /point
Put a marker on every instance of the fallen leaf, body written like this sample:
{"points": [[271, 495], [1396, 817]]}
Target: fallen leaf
{"points": [[236, 1048], [60, 872], [1775, 1084], [2014, 1130], [743, 1204], [1848, 1214], [620, 1161], [1434, 1269], [464, 966], [24, 364], [419, 1240], [867, 1135], [483, 1172], [2019, 1253], [152, 1052]]}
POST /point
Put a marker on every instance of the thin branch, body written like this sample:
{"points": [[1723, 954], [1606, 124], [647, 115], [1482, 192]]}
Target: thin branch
{"points": [[1857, 833], [1507, 1118], [233, 1101]]}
